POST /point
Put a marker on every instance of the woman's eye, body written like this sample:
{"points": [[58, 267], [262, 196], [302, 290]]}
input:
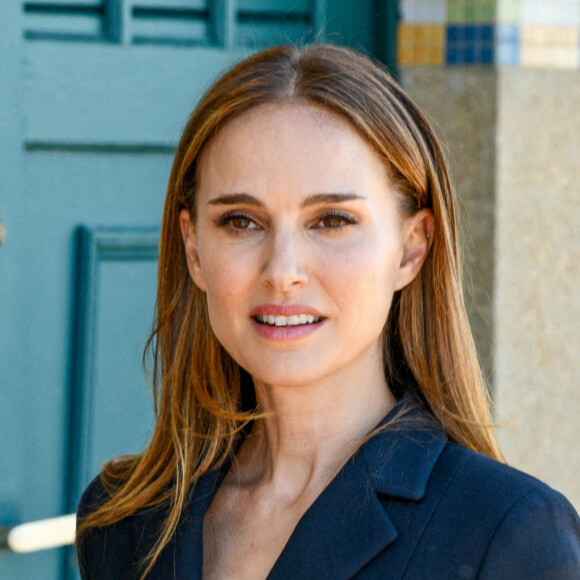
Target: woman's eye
{"points": [[240, 223], [237, 223], [333, 221]]}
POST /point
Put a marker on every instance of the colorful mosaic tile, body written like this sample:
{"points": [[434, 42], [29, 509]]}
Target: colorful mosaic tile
{"points": [[550, 13], [470, 11], [470, 44], [421, 44], [507, 49], [549, 46], [549, 36], [508, 11], [549, 56], [539, 33], [424, 11]]}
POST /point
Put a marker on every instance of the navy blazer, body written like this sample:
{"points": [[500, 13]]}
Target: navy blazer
{"points": [[408, 505]]}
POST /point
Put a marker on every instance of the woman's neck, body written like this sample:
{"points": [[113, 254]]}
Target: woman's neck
{"points": [[310, 430]]}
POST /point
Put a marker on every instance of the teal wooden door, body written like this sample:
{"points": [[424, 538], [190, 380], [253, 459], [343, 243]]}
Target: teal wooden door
{"points": [[93, 95]]}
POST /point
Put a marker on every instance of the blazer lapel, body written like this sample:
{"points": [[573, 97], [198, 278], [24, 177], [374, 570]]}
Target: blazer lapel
{"points": [[400, 462], [348, 525], [343, 529]]}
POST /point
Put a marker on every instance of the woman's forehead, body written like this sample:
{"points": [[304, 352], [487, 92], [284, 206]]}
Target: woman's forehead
{"points": [[281, 121], [290, 142]]}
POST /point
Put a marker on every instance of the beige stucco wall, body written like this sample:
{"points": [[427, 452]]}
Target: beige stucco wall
{"points": [[513, 140], [537, 283], [460, 103]]}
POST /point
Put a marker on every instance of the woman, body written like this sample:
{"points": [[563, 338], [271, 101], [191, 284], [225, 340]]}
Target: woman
{"points": [[320, 408]]}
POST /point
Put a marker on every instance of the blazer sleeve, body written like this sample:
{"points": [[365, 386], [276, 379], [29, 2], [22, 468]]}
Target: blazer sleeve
{"points": [[538, 539], [104, 553]]}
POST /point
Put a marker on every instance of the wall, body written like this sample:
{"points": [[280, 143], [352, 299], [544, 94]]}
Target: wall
{"points": [[460, 103], [536, 299], [499, 80]]}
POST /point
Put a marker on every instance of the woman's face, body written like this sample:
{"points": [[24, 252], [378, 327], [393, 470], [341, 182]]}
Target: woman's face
{"points": [[299, 244]]}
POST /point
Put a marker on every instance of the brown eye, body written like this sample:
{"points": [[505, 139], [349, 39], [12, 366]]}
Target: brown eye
{"points": [[240, 222], [334, 221], [237, 223]]}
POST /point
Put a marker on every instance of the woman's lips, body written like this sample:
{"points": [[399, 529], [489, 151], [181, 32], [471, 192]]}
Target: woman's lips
{"points": [[287, 332], [285, 310], [286, 321]]}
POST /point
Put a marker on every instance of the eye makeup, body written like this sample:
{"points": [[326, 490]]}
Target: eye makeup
{"points": [[334, 220], [237, 222]]}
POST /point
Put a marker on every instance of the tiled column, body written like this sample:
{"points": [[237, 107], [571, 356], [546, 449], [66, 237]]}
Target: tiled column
{"points": [[536, 300], [422, 32], [549, 33], [500, 82], [445, 53]]}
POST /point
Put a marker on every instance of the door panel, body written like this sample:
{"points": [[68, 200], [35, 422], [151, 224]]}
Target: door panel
{"points": [[111, 407], [106, 96], [121, 406], [58, 191], [93, 97]]}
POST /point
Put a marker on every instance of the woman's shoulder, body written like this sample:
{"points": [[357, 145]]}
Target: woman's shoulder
{"points": [[94, 496], [108, 552], [523, 527], [486, 477], [422, 463]]}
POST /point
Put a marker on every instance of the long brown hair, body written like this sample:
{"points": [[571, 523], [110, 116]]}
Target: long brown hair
{"points": [[201, 394]]}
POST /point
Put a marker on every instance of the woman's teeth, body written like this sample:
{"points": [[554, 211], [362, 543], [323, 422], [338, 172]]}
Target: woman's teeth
{"points": [[287, 320]]}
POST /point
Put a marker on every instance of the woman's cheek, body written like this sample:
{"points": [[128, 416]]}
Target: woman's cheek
{"points": [[227, 278], [356, 276]]}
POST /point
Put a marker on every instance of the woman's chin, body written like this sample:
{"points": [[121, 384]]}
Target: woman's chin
{"points": [[282, 376]]}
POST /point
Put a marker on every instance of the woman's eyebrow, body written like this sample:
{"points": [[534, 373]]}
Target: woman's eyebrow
{"points": [[247, 199], [330, 198], [233, 198]]}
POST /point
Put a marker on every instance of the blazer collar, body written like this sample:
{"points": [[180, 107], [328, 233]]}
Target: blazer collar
{"points": [[400, 461], [347, 524]]}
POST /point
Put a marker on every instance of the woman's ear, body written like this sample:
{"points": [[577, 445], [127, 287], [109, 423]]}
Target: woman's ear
{"points": [[417, 240], [191, 251]]}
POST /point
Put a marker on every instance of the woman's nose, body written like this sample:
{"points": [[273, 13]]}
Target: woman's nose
{"points": [[284, 267]]}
